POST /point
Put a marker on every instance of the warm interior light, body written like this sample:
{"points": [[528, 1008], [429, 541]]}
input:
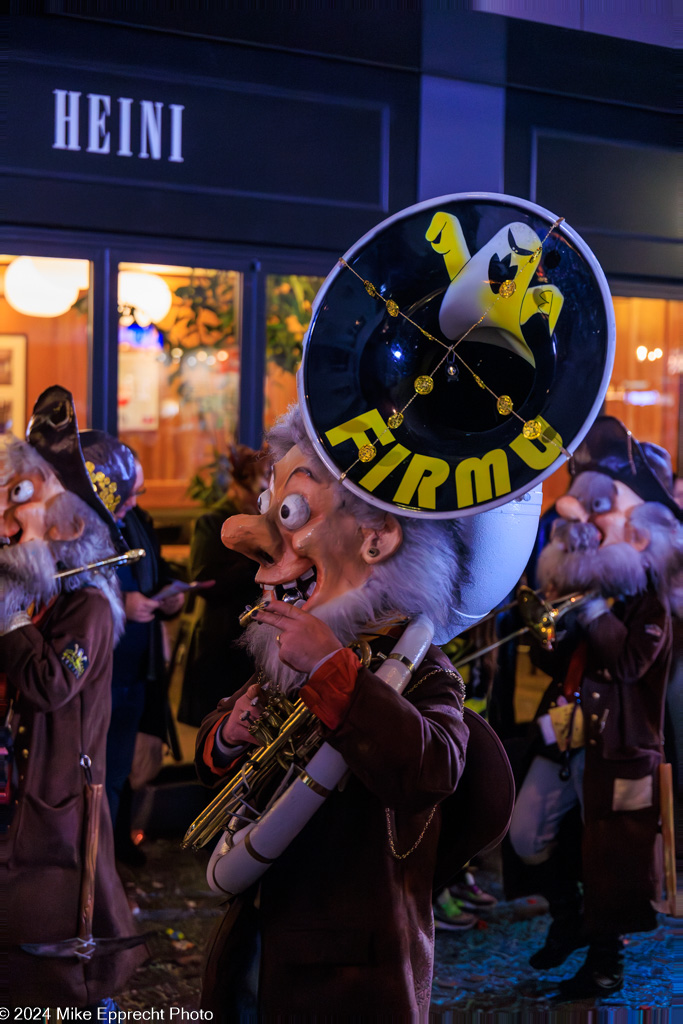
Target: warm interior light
{"points": [[39, 286], [641, 353], [147, 294]]}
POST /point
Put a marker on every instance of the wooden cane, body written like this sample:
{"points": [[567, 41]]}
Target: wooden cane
{"points": [[666, 810], [93, 807]]}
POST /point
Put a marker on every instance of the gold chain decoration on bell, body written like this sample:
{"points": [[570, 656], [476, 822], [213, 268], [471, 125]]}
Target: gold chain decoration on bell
{"points": [[424, 384]]}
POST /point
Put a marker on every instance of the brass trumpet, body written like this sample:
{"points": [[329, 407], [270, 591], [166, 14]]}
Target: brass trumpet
{"points": [[540, 618], [134, 555]]}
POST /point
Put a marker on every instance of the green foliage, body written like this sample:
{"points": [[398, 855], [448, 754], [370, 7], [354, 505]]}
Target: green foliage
{"points": [[211, 481], [289, 301]]}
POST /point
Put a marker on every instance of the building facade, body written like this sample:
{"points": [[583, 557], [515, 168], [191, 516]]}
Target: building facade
{"points": [[201, 175]]}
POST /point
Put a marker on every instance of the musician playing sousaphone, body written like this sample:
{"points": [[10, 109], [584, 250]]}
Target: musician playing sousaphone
{"points": [[70, 938], [366, 550]]}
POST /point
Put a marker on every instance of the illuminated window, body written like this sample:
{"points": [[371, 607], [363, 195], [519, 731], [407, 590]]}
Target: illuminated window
{"points": [[289, 300], [44, 330], [179, 370], [644, 391]]}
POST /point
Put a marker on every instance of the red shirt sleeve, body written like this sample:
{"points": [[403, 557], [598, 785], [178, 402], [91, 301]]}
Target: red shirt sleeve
{"points": [[207, 749], [329, 690]]}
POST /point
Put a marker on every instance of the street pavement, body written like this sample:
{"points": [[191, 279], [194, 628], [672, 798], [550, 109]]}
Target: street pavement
{"points": [[481, 975]]}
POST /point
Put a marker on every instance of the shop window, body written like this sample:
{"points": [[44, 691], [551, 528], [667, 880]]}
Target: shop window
{"points": [[645, 388], [44, 330], [178, 381], [289, 301]]}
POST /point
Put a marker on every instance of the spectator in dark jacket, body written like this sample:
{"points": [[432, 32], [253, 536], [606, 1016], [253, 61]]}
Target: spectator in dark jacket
{"points": [[216, 665]]}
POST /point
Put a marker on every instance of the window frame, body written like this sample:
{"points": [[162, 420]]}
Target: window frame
{"points": [[106, 251]]}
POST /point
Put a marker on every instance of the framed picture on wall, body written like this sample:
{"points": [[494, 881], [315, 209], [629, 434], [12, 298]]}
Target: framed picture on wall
{"points": [[13, 383]]}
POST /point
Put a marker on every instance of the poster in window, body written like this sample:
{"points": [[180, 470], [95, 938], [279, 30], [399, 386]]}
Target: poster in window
{"points": [[138, 399]]}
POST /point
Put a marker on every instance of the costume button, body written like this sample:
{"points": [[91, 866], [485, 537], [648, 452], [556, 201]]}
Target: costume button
{"points": [[594, 718], [21, 729], [24, 753], [592, 742], [595, 696]]}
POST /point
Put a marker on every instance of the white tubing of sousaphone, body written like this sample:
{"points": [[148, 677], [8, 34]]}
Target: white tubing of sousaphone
{"points": [[239, 862]]}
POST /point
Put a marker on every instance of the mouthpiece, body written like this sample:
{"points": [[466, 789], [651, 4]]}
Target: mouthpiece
{"points": [[251, 610]]}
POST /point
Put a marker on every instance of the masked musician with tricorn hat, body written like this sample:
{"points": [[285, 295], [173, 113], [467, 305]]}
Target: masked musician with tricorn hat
{"points": [[70, 938], [598, 743], [402, 507]]}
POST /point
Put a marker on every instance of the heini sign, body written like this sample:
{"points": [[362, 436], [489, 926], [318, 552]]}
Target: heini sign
{"points": [[102, 124]]}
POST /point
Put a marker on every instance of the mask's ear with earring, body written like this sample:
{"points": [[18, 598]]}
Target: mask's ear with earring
{"points": [[380, 543]]}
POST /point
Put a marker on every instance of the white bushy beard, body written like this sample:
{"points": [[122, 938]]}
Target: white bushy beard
{"points": [[27, 575], [345, 615], [576, 560], [27, 571]]}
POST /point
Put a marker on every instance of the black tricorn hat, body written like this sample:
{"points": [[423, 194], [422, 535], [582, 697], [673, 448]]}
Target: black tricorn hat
{"points": [[609, 447], [53, 432]]}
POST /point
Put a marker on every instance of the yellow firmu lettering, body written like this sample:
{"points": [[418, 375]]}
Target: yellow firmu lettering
{"points": [[424, 474], [356, 428], [387, 464], [541, 453], [484, 476]]}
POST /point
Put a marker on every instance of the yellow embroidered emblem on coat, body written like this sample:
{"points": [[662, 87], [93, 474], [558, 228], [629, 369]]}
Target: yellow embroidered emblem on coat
{"points": [[75, 659]]}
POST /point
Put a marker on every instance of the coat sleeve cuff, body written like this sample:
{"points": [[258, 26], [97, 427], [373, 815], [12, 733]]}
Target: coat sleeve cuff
{"points": [[329, 690], [215, 755]]}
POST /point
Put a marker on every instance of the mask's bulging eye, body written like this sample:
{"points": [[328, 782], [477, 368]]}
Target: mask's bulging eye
{"points": [[601, 505], [294, 511], [22, 492], [263, 502]]}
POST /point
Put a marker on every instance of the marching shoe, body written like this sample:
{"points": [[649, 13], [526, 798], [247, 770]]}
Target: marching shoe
{"points": [[470, 894], [601, 975], [449, 914]]}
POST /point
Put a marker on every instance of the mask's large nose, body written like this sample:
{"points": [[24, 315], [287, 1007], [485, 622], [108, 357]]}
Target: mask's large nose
{"points": [[571, 509], [253, 536]]}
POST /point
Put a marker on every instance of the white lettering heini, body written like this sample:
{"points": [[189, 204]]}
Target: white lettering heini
{"points": [[152, 125]]}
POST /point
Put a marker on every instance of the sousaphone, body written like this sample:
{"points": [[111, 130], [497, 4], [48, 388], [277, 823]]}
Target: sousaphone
{"points": [[457, 355]]}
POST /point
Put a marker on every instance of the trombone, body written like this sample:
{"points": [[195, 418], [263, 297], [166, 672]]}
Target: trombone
{"points": [[539, 616], [128, 556]]}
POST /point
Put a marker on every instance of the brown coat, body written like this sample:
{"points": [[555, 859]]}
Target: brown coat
{"points": [[622, 693], [346, 926], [59, 713]]}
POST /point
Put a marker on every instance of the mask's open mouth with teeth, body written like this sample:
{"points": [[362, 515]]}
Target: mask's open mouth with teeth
{"points": [[300, 589], [9, 541]]}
